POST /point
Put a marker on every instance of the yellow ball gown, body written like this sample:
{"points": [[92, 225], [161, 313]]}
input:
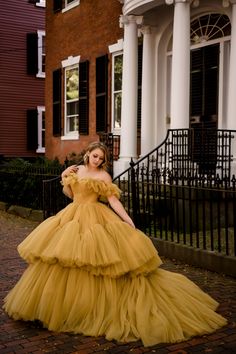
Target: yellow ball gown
{"points": [[89, 272]]}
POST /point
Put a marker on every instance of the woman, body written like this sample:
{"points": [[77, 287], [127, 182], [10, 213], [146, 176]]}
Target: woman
{"points": [[90, 271]]}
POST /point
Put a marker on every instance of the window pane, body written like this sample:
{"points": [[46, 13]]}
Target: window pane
{"points": [[118, 63], [72, 84], [117, 110], [73, 124], [72, 108]]}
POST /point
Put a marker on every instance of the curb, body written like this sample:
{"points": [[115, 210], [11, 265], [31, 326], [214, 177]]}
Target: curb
{"points": [[23, 212]]}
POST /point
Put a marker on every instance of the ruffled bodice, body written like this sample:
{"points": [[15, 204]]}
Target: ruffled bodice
{"points": [[87, 190]]}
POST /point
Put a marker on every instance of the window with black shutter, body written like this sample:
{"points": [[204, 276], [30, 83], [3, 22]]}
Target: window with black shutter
{"points": [[57, 5], [101, 93], [84, 98], [32, 53], [32, 129], [57, 102]]}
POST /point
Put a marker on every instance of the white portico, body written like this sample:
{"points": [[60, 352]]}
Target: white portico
{"points": [[171, 80]]}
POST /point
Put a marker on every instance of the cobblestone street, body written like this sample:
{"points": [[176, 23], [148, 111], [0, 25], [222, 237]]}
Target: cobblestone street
{"points": [[25, 337]]}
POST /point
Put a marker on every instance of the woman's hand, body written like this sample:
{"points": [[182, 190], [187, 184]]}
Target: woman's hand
{"points": [[68, 170]]}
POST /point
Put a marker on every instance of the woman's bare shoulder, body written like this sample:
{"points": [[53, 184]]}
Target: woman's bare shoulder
{"points": [[80, 168], [105, 177]]}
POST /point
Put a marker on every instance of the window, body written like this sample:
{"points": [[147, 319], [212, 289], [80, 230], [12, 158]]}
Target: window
{"points": [[71, 100], [75, 98], [36, 129], [41, 129], [117, 90], [209, 27], [41, 54], [36, 54], [117, 68]]}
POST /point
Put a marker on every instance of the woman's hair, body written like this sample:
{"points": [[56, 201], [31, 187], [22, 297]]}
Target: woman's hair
{"points": [[98, 145]]}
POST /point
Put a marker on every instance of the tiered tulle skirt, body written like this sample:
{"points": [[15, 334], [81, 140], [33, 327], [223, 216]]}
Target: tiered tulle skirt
{"points": [[91, 273]]}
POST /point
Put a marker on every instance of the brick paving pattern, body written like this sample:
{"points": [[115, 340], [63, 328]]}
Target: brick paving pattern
{"points": [[25, 337]]}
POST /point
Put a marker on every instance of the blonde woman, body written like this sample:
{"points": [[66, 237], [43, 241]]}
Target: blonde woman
{"points": [[90, 271]]}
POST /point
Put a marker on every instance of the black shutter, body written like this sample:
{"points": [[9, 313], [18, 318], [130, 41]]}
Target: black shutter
{"points": [[32, 53], [32, 1], [32, 129], [211, 58], [57, 5], [101, 93], [196, 87], [84, 98], [57, 102]]}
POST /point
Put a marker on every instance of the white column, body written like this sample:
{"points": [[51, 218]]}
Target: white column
{"points": [[180, 80], [231, 110], [128, 139], [147, 108]]}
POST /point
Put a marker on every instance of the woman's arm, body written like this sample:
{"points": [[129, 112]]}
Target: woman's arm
{"points": [[120, 210], [67, 189]]}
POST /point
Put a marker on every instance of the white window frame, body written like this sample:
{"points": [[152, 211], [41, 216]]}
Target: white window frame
{"points": [[41, 53], [68, 64], [115, 49], [70, 6], [41, 148], [41, 3]]}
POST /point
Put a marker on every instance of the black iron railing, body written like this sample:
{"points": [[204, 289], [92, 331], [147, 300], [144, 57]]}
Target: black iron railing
{"points": [[183, 191], [53, 198]]}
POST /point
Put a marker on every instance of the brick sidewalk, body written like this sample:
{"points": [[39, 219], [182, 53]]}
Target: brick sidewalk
{"points": [[23, 337]]}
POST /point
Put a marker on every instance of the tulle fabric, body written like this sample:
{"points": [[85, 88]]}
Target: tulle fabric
{"points": [[91, 273]]}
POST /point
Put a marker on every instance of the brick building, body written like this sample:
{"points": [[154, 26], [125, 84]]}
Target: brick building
{"points": [[22, 78], [136, 68], [78, 71]]}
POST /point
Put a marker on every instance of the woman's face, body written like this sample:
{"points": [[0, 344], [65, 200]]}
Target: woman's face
{"points": [[96, 157]]}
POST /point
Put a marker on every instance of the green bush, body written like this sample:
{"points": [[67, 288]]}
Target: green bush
{"points": [[21, 181]]}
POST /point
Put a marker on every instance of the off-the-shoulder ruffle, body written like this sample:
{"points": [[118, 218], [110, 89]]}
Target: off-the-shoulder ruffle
{"points": [[98, 186]]}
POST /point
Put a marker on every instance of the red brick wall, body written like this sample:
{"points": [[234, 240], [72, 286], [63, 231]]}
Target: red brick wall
{"points": [[86, 30]]}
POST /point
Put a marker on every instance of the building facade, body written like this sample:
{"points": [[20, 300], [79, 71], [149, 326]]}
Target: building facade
{"points": [[22, 78], [136, 68], [78, 72]]}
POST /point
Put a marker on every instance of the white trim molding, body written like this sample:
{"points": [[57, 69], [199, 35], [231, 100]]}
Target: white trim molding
{"points": [[71, 5]]}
